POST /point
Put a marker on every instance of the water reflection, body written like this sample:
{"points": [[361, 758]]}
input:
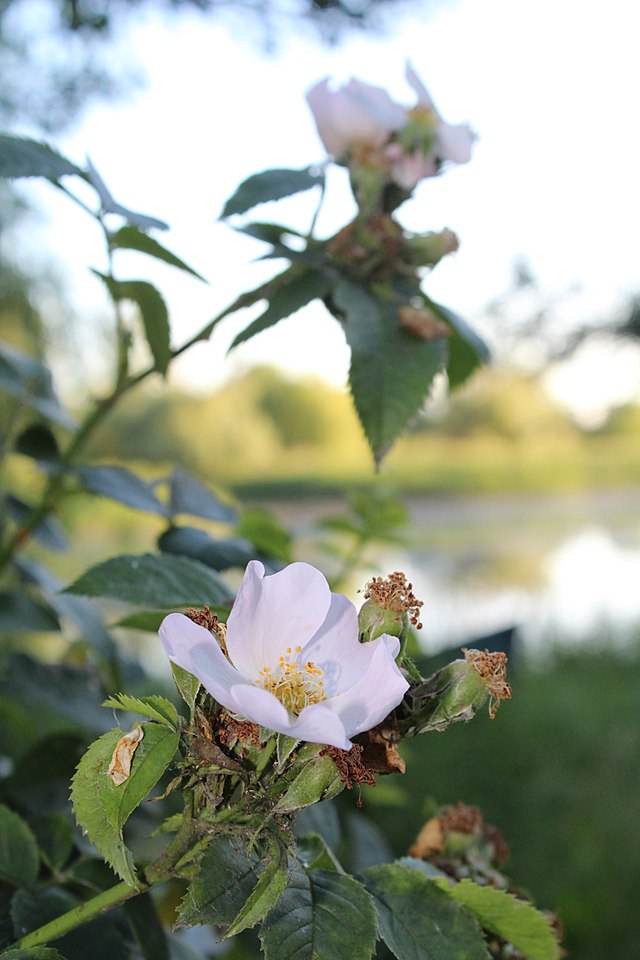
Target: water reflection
{"points": [[567, 580], [563, 569]]}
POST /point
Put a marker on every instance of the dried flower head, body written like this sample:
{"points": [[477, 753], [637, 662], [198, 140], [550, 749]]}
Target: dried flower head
{"points": [[395, 594], [351, 768], [204, 618], [461, 819], [492, 667]]}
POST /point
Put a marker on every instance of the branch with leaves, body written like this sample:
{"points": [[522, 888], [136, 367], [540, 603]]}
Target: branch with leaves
{"points": [[289, 696]]}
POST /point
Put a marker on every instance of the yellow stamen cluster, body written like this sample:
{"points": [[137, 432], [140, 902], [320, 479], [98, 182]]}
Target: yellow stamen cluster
{"points": [[492, 667], [296, 685], [396, 594]]}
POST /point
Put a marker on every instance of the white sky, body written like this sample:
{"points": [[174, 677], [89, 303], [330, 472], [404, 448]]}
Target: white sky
{"points": [[550, 86]]}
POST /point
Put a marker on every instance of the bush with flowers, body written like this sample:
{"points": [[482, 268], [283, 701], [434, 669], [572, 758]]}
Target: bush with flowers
{"points": [[214, 807]]}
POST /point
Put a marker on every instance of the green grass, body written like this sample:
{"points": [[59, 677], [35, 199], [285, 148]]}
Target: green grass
{"points": [[445, 466], [558, 771]]}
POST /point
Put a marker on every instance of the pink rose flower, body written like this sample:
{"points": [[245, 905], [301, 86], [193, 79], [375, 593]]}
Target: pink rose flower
{"points": [[294, 662]]}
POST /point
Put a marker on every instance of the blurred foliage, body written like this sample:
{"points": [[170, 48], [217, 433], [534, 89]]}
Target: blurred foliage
{"points": [[70, 46], [264, 431], [557, 772]]}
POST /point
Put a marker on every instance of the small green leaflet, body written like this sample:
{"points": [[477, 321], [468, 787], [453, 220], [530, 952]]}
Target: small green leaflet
{"points": [[102, 808], [301, 288], [155, 318], [155, 708], [22, 157], [131, 238], [271, 185], [516, 921]]}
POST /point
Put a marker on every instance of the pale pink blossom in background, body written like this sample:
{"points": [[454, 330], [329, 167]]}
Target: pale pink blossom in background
{"points": [[454, 141], [361, 114], [295, 664], [355, 113]]}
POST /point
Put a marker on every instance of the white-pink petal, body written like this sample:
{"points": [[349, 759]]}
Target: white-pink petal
{"points": [[315, 724], [194, 649], [455, 142], [319, 724], [273, 613], [336, 649], [355, 113], [414, 81], [375, 695]]}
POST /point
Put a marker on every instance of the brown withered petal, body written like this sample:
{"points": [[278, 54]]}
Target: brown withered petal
{"points": [[423, 323], [380, 752], [428, 841], [120, 766]]}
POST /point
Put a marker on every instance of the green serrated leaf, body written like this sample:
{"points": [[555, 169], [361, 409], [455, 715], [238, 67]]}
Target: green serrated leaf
{"points": [[270, 185], [391, 370], [516, 921], [22, 157], [227, 876], [289, 297], [187, 685], [154, 707], [155, 318], [264, 895], [118, 483], [131, 238], [102, 808], [163, 582], [416, 919], [321, 915], [88, 806], [19, 860]]}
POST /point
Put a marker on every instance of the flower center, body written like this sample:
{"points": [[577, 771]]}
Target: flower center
{"points": [[296, 685]]}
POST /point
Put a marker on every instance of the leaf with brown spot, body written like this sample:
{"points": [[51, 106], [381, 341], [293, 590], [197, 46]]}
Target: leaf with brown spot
{"points": [[120, 766]]}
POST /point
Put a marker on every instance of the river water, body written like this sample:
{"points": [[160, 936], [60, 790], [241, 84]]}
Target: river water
{"points": [[562, 568]]}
